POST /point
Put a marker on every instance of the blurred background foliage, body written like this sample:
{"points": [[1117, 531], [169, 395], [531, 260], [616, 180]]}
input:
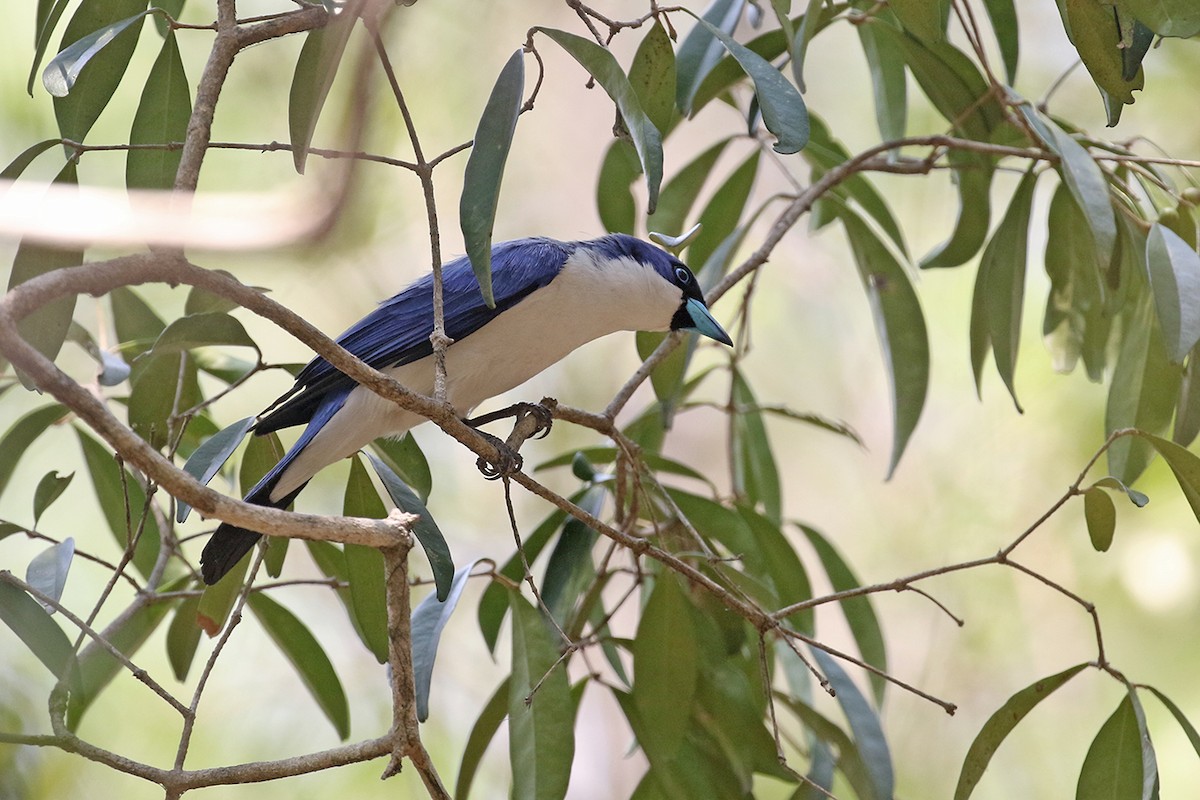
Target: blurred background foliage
{"points": [[975, 474]]}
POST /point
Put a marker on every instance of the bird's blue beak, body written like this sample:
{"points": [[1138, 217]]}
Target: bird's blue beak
{"points": [[703, 322]]}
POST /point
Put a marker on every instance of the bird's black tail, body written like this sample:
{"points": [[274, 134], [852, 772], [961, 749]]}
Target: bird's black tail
{"points": [[229, 544]]}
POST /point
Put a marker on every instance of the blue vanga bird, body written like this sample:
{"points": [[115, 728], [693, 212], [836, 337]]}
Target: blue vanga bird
{"points": [[550, 298]]}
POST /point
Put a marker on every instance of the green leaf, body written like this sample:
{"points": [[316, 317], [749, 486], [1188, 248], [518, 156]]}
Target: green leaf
{"points": [[775, 560], [952, 83], [23, 433], [19, 164], [1085, 180], [207, 459], [202, 301], [46, 328], [782, 107], [1000, 724], [1179, 18], [425, 529], [720, 216], [700, 51], [652, 76], [973, 178], [1188, 728], [482, 733], [49, 489], [541, 725], [1076, 322], [899, 324], [136, 323], [925, 19], [1187, 409], [405, 458], [201, 330], [183, 637], [1093, 28], [1003, 15], [485, 170], [603, 66], [859, 611], [34, 627], [864, 724], [161, 118], [111, 488], [890, 88], [614, 196], [665, 666], [428, 619], [305, 653], [570, 569], [1142, 393], [98, 667], [47, 571], [1101, 518], [364, 565], [101, 36], [1174, 271], [755, 474], [316, 68], [1116, 766], [160, 389], [1184, 464], [47, 20], [1001, 280], [680, 192], [667, 378]]}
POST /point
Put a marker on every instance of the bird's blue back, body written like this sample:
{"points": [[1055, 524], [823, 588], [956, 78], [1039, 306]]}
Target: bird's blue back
{"points": [[397, 331]]}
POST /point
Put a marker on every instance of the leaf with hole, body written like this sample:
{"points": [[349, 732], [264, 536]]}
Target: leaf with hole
{"points": [[485, 170]]}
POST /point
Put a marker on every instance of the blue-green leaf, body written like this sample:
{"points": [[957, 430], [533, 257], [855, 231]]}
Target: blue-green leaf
{"points": [[425, 529], [485, 170], [1174, 271], [62, 72], [428, 619], [864, 724], [207, 459], [700, 50], [47, 571]]}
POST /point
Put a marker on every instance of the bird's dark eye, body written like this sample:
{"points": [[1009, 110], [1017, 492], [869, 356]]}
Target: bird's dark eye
{"points": [[682, 275]]}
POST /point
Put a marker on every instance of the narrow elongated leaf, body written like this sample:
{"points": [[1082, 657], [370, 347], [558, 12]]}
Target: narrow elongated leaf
{"points": [[1188, 728], [778, 562], [101, 35], [889, 85], [1142, 394], [47, 20], [782, 107], [1003, 15], [364, 565], [603, 66], [161, 388], [1113, 768], [34, 627], [484, 730], [925, 19], [161, 118], [183, 637], [542, 726], [111, 488], [302, 649], [1000, 724], [720, 216], [614, 194], [1174, 271], [864, 724], [1186, 467], [973, 180], [49, 489], [207, 459], [47, 571], [755, 475], [485, 170], [859, 611], [217, 600], [407, 460], [46, 328], [316, 68], [23, 433], [849, 760], [665, 666], [667, 379], [428, 619], [1101, 518], [700, 51], [570, 569], [1076, 322], [425, 529], [201, 330], [680, 192], [652, 76], [900, 325], [19, 164], [1002, 273], [951, 81]]}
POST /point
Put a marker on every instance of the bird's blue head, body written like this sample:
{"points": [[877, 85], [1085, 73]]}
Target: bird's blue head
{"points": [[693, 313]]}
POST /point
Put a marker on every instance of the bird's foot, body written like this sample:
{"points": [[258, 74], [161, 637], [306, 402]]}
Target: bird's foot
{"points": [[533, 420]]}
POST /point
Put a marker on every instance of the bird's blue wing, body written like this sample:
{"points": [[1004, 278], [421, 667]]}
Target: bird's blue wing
{"points": [[397, 331]]}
